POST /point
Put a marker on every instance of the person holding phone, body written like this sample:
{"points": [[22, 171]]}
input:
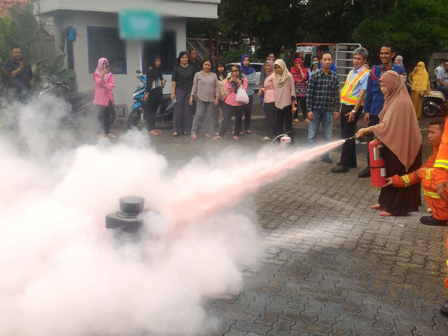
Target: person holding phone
{"points": [[154, 94], [104, 97], [20, 76]]}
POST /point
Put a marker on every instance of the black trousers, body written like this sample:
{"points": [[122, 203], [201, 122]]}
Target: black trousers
{"points": [[104, 115], [248, 113], [271, 111], [155, 99], [348, 155], [284, 117], [228, 111], [302, 101], [373, 120]]}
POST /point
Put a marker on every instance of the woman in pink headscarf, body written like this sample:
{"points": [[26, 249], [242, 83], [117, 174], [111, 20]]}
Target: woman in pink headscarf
{"points": [[400, 133], [104, 97], [300, 75]]}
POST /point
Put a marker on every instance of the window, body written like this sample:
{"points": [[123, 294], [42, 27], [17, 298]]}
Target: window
{"points": [[106, 42], [165, 48]]}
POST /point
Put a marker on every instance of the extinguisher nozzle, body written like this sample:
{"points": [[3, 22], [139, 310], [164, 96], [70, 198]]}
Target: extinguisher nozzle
{"points": [[351, 138]]}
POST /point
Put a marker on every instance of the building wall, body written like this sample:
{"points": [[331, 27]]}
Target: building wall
{"points": [[125, 83]]}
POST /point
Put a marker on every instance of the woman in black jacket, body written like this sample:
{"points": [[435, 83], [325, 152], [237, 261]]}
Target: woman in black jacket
{"points": [[154, 94]]}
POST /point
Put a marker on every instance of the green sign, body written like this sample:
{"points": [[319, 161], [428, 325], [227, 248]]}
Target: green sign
{"points": [[140, 25]]}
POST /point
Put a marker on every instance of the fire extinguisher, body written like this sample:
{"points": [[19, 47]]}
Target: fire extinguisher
{"points": [[377, 164]]}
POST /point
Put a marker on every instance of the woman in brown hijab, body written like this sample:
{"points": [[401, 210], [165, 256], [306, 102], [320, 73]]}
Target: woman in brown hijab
{"points": [[399, 131]]}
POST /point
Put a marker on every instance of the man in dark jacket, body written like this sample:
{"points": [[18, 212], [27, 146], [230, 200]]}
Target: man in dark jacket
{"points": [[20, 76]]}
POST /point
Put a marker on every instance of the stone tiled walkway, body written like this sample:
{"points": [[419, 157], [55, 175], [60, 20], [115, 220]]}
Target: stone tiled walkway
{"points": [[332, 266]]}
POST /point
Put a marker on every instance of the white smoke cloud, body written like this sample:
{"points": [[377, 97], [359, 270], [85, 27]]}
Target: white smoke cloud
{"points": [[64, 274]]}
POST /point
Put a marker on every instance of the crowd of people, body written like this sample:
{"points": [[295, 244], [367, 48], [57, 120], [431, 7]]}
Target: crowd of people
{"points": [[207, 99]]}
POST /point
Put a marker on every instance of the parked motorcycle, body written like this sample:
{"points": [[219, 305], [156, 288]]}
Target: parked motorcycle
{"points": [[434, 103], [138, 106], [81, 102]]}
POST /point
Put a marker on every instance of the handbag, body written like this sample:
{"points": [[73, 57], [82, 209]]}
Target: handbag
{"points": [[241, 96]]}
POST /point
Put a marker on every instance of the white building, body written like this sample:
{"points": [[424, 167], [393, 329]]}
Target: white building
{"points": [[96, 23]]}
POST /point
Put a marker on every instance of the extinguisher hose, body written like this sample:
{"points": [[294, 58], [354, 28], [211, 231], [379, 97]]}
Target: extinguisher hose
{"points": [[278, 136]]}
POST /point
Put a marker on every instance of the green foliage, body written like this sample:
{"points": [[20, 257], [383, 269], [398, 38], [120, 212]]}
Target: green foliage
{"points": [[234, 55], [415, 27], [20, 28]]}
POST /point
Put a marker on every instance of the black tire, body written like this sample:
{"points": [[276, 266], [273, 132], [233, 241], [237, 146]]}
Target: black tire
{"points": [[428, 109], [134, 117]]}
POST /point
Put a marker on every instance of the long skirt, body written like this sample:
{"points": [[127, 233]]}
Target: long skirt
{"points": [[417, 101], [400, 201]]}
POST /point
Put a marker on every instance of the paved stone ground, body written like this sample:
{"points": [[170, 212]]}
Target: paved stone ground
{"points": [[332, 265]]}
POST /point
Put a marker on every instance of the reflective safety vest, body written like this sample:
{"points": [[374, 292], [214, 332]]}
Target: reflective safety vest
{"points": [[347, 91]]}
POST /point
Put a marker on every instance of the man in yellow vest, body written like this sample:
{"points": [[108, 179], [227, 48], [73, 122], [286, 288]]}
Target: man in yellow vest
{"points": [[352, 102]]}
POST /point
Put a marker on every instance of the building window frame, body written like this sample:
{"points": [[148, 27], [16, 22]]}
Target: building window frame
{"points": [[92, 63]]}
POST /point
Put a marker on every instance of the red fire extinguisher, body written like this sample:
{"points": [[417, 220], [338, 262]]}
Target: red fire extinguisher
{"points": [[377, 164]]}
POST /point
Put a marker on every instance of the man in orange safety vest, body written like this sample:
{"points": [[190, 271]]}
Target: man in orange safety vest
{"points": [[427, 176], [352, 102], [441, 166]]}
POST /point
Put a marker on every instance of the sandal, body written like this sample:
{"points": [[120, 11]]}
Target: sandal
{"points": [[248, 131], [159, 131], [235, 138], [194, 137], [207, 135], [153, 132], [385, 214], [175, 134], [375, 207], [216, 138], [266, 138], [110, 135]]}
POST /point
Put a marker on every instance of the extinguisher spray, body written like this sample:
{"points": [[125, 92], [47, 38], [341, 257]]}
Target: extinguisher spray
{"points": [[377, 163]]}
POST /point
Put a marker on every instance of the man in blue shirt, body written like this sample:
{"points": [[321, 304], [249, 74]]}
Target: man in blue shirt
{"points": [[442, 79], [374, 97]]}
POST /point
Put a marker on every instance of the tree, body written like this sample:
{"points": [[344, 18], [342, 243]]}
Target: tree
{"points": [[415, 27], [20, 28]]}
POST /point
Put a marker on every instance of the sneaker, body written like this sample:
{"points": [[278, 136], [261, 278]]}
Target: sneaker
{"points": [[340, 169], [365, 173], [327, 160], [431, 221], [444, 309]]}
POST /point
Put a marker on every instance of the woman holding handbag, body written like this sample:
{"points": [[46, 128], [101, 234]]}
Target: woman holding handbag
{"points": [[236, 87]]}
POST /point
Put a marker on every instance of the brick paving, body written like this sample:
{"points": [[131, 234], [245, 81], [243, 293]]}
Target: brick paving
{"points": [[332, 266]]}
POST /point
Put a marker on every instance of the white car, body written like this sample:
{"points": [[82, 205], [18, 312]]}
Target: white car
{"points": [[257, 67]]}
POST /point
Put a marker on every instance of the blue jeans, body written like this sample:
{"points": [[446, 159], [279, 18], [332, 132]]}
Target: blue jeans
{"points": [[444, 89], [327, 127]]}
